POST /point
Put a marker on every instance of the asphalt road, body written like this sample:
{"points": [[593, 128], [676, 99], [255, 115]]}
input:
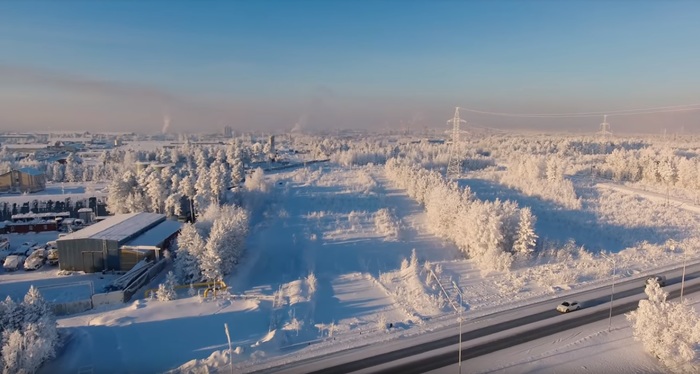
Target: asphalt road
{"points": [[450, 358], [521, 316], [439, 361]]}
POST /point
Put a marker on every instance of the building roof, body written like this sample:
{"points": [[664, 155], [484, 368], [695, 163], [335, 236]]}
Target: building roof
{"points": [[117, 228], [155, 235], [31, 171]]}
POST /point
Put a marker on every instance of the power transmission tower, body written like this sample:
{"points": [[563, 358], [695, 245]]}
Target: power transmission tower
{"points": [[605, 132], [454, 163]]}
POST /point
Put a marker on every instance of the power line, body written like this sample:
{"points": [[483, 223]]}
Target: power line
{"points": [[623, 112]]}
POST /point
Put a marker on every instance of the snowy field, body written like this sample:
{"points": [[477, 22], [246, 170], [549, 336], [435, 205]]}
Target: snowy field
{"points": [[337, 253], [352, 230]]}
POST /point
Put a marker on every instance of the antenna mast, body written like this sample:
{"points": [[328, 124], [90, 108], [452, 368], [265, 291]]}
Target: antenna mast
{"points": [[454, 163]]}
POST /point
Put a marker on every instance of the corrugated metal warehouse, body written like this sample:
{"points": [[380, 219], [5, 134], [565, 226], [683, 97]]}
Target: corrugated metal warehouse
{"points": [[116, 243]]}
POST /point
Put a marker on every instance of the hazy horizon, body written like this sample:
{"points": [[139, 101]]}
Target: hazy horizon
{"points": [[273, 65]]}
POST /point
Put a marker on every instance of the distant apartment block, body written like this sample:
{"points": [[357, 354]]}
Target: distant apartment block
{"points": [[228, 132], [23, 180]]}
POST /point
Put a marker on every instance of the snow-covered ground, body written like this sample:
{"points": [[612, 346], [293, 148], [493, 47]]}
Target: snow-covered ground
{"points": [[54, 285], [352, 230], [591, 348], [58, 191]]}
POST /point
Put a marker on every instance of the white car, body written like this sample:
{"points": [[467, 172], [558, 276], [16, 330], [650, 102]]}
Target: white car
{"points": [[13, 262], [35, 260], [567, 306]]}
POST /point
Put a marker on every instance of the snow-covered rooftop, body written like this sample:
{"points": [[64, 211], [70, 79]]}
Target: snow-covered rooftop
{"points": [[156, 235], [31, 171], [117, 228]]}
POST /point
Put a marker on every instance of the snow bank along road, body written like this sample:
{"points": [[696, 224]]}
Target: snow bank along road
{"points": [[439, 348]]}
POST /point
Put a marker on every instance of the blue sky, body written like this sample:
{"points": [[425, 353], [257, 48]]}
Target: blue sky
{"points": [[355, 64]]}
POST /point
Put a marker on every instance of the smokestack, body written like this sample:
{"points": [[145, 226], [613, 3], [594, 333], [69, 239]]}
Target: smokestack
{"points": [[166, 123]]}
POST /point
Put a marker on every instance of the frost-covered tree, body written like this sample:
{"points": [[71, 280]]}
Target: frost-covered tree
{"points": [[190, 249], [237, 172], [11, 315], [58, 172], [172, 204], [526, 238], [211, 261], [155, 192], [483, 230], [30, 338], [35, 306], [257, 181], [73, 171], [126, 194], [187, 189], [166, 290], [87, 174], [668, 330], [217, 182], [312, 283], [203, 195]]}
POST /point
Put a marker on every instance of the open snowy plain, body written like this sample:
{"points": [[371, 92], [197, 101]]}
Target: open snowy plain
{"points": [[340, 254]]}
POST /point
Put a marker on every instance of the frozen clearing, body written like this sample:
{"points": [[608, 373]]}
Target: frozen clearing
{"points": [[328, 264]]}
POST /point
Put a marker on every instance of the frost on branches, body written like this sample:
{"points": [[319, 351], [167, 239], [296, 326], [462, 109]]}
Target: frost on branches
{"points": [[668, 330], [386, 223], [166, 290], [29, 334], [210, 249], [485, 231]]}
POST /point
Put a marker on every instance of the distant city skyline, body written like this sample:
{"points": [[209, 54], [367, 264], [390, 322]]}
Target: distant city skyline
{"points": [[278, 65]]}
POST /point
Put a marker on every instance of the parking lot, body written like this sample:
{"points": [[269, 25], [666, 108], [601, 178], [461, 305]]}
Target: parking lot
{"points": [[55, 286]]}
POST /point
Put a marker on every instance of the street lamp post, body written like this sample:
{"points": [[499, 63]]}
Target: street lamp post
{"points": [[612, 290], [459, 293], [460, 333], [612, 295], [683, 276]]}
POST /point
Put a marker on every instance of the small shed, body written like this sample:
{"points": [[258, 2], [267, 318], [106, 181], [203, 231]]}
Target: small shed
{"points": [[87, 215]]}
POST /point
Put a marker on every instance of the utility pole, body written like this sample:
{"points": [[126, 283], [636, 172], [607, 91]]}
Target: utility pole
{"points": [[612, 292], [460, 333], [459, 293], [612, 295], [454, 164], [683, 276]]}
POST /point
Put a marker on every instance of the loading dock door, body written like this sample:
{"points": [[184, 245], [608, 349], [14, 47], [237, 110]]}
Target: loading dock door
{"points": [[93, 262]]}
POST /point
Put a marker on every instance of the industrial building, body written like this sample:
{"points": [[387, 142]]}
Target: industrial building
{"points": [[23, 180], [117, 243]]}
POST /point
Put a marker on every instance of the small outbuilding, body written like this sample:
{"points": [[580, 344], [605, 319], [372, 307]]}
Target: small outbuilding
{"points": [[117, 243]]}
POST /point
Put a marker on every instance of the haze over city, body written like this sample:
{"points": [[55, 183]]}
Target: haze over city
{"points": [[275, 65]]}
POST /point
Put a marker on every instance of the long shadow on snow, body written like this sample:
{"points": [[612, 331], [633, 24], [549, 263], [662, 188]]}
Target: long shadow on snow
{"points": [[158, 346]]}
